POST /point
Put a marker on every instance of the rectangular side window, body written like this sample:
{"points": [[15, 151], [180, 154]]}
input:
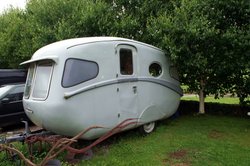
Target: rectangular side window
{"points": [[42, 80], [29, 81], [16, 94], [77, 71], [126, 61]]}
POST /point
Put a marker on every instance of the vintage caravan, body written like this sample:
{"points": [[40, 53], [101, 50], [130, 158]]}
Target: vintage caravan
{"points": [[78, 83]]}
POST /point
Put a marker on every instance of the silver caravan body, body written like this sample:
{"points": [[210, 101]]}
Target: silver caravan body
{"points": [[78, 83]]}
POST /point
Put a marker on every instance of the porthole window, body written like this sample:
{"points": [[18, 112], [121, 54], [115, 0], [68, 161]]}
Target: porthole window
{"points": [[155, 69], [77, 71]]}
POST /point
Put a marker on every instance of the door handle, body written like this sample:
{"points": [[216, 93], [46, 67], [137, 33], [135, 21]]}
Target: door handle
{"points": [[135, 89]]}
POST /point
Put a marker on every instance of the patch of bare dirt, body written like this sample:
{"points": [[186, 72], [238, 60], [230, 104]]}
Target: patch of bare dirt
{"points": [[215, 134], [180, 154], [181, 164], [178, 158]]}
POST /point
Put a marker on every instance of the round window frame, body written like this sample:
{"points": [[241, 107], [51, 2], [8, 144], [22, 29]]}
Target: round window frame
{"points": [[159, 64]]}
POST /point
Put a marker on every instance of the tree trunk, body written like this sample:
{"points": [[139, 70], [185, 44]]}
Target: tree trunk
{"points": [[202, 97]]}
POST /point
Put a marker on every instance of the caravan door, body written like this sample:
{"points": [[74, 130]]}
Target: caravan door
{"points": [[127, 82]]}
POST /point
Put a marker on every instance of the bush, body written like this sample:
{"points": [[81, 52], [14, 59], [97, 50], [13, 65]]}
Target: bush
{"points": [[192, 107]]}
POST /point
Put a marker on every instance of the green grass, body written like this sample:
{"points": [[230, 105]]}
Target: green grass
{"points": [[211, 99], [206, 140], [188, 140]]}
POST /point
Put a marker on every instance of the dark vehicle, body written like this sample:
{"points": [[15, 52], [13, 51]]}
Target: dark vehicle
{"points": [[12, 76], [11, 106]]}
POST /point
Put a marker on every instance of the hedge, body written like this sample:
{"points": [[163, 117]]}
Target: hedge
{"points": [[192, 107]]}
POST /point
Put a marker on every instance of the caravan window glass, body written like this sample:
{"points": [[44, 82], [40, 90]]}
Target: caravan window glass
{"points": [[155, 69], [4, 90], [29, 81], [126, 61], [77, 71], [42, 80], [16, 94]]}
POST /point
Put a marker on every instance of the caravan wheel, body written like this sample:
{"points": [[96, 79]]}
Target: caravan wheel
{"points": [[147, 128]]}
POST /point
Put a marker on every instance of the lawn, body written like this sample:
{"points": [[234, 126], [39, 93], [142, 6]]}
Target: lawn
{"points": [[188, 140], [211, 99], [185, 141]]}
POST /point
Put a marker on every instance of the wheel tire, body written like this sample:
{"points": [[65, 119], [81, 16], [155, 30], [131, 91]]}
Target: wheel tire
{"points": [[147, 128]]}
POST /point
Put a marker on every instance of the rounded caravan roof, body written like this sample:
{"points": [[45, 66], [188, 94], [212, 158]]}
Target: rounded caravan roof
{"points": [[52, 48]]}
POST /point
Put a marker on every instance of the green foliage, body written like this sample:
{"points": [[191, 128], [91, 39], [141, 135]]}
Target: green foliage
{"points": [[12, 32], [204, 38], [44, 22], [130, 17], [208, 40]]}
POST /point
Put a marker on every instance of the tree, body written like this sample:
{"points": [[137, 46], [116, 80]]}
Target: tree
{"points": [[129, 18], [44, 22], [203, 37], [47, 21], [12, 33], [198, 36]]}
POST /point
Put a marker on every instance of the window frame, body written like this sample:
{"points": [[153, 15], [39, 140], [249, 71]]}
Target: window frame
{"points": [[157, 63], [81, 81], [12, 93], [35, 77], [32, 81], [120, 64]]}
